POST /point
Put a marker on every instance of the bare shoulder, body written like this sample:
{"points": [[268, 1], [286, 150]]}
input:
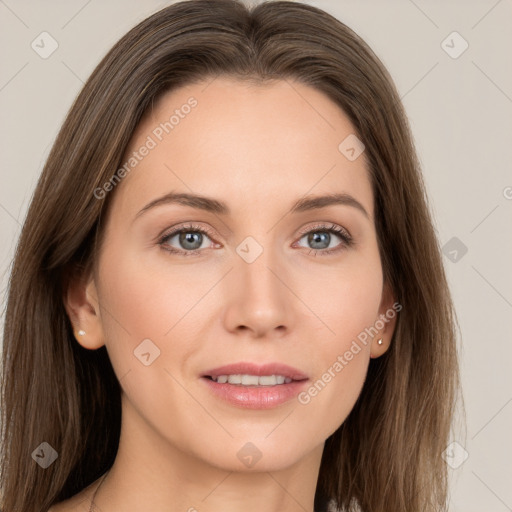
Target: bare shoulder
{"points": [[71, 505], [80, 502]]}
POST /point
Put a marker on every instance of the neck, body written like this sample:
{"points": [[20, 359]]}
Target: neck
{"points": [[152, 473]]}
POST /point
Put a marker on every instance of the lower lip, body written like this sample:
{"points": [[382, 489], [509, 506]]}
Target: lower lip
{"points": [[256, 397]]}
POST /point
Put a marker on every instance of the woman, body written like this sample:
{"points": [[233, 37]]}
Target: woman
{"points": [[304, 356]]}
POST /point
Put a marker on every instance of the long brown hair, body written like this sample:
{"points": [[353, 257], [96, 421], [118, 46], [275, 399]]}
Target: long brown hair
{"points": [[387, 455]]}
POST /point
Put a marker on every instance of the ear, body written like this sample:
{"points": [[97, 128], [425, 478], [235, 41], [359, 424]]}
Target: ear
{"points": [[81, 303], [385, 323]]}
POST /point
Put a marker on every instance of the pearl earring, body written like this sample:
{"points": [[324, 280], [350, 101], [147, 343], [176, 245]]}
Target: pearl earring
{"points": [[80, 333], [380, 342]]}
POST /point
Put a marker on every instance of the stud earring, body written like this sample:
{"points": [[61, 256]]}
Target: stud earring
{"points": [[380, 342], [81, 333]]}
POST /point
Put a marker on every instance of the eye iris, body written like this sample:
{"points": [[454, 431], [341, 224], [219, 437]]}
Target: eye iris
{"points": [[189, 237], [318, 237], [192, 239]]}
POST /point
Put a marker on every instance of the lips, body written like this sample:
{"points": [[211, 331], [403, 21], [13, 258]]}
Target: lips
{"points": [[248, 368], [261, 396]]}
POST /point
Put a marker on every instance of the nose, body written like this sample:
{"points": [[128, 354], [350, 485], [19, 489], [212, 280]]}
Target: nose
{"points": [[257, 299]]}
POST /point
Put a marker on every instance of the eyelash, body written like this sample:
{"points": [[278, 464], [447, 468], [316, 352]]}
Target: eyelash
{"points": [[347, 240]]}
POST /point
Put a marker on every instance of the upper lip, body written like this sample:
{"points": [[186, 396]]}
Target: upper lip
{"points": [[247, 368]]}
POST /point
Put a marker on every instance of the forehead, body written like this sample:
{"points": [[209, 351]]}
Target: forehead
{"points": [[246, 143]]}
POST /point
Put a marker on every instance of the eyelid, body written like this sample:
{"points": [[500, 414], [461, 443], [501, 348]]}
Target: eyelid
{"points": [[186, 226], [303, 231], [326, 227]]}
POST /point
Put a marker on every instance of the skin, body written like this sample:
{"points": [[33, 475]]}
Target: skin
{"points": [[258, 148]]}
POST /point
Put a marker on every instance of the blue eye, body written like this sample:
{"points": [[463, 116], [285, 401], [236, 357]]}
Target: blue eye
{"points": [[191, 238], [320, 237]]}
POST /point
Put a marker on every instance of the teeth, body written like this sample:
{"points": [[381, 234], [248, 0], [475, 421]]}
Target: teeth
{"points": [[248, 380], [252, 380]]}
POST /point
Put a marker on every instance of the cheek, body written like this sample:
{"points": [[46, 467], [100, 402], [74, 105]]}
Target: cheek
{"points": [[148, 318], [341, 365], [343, 299], [147, 297], [139, 304], [346, 306]]}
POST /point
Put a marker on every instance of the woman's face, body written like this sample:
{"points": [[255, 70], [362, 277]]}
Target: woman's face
{"points": [[267, 282]]}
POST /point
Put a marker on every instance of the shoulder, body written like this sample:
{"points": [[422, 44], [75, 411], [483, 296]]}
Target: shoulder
{"points": [[78, 503], [73, 504], [70, 505]]}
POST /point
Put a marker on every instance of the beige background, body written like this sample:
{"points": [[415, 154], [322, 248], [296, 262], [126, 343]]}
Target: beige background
{"points": [[460, 112]]}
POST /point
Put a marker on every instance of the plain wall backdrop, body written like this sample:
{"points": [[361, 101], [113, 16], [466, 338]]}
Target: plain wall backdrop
{"points": [[457, 91]]}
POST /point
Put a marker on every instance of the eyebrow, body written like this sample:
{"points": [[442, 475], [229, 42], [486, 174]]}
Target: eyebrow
{"points": [[218, 207]]}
